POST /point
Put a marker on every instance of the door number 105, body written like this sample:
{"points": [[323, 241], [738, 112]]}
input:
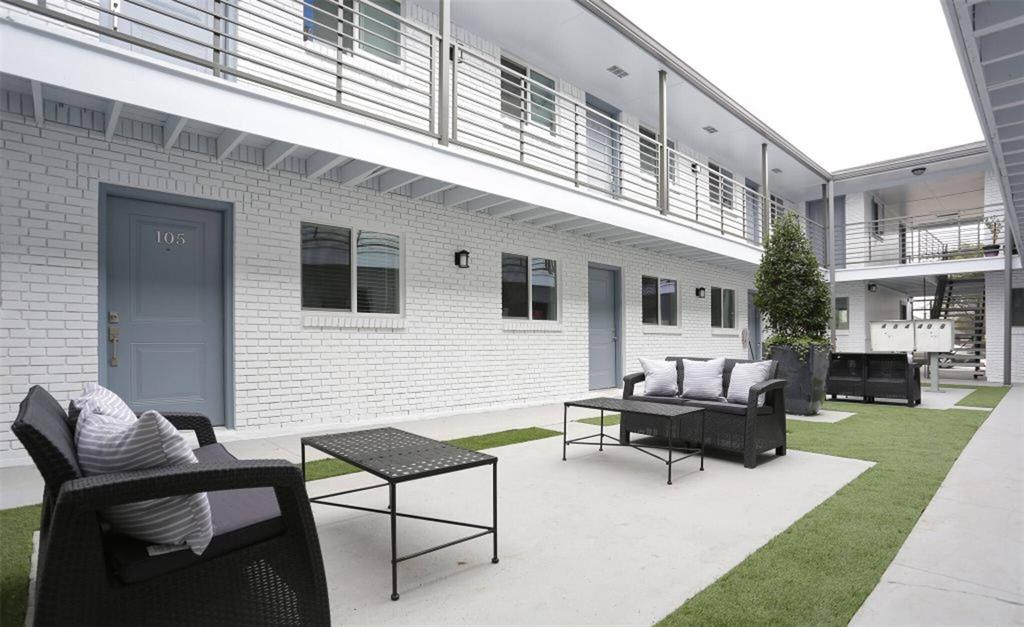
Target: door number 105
{"points": [[174, 239]]}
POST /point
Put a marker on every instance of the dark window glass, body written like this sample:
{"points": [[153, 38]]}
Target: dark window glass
{"points": [[326, 267], [380, 30], [1017, 307], [649, 299], [842, 312], [877, 215], [542, 100], [729, 309], [716, 307], [514, 288], [667, 294], [648, 150], [377, 266], [513, 88], [321, 23], [543, 279]]}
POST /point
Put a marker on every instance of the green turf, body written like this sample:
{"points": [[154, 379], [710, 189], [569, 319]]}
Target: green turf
{"points": [[324, 468], [983, 396], [610, 420], [16, 528], [820, 570]]}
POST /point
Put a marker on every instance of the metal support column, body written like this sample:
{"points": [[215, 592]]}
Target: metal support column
{"points": [[444, 72], [828, 196], [1007, 301], [766, 202], [663, 141]]}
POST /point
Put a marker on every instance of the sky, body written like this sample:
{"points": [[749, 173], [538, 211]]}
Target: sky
{"points": [[848, 82]]}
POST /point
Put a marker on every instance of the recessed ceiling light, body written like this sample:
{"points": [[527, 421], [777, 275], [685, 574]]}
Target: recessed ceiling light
{"points": [[711, 130], [777, 170], [617, 71], [918, 171]]}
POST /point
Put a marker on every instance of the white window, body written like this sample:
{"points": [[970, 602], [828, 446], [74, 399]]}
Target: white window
{"points": [[720, 187], [343, 266], [659, 301], [527, 94], [877, 217], [842, 313], [649, 153], [723, 308], [376, 24], [529, 287]]}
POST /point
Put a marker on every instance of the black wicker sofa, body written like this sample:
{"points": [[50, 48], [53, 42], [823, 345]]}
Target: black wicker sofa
{"points": [[740, 428], [262, 567]]}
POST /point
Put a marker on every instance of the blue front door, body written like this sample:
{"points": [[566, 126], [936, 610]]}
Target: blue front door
{"points": [[164, 324]]}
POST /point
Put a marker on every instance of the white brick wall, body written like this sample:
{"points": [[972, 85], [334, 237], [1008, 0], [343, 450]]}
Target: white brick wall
{"points": [[453, 352], [995, 294]]}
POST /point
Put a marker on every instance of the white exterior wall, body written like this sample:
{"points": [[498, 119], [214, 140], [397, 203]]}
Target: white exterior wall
{"points": [[995, 306], [854, 339], [450, 352]]}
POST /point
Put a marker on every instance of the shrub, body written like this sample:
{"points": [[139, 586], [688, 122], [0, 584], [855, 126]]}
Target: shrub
{"points": [[791, 291]]}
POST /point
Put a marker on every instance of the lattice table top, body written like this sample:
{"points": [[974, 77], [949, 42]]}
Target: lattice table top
{"points": [[397, 455]]}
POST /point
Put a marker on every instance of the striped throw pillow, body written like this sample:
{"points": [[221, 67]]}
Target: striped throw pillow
{"points": [[660, 377], [745, 375], [703, 379], [109, 444], [100, 400]]}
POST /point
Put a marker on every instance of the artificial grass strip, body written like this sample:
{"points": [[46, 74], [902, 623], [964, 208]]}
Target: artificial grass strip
{"points": [[16, 528], [610, 420], [324, 468], [820, 570], [986, 396]]}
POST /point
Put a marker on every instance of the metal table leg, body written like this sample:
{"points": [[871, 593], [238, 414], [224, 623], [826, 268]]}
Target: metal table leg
{"points": [[565, 428], [670, 452], [494, 520], [601, 439], [303, 463], [703, 421], [394, 542]]}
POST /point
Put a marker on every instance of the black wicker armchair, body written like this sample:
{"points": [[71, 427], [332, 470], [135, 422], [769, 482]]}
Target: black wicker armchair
{"points": [[263, 566], [746, 428]]}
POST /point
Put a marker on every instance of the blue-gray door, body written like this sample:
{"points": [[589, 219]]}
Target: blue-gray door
{"points": [[604, 328], [753, 327], [165, 306]]}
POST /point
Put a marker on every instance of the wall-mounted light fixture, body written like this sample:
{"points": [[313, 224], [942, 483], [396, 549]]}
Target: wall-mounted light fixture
{"points": [[700, 292], [462, 259], [872, 287], [918, 171]]}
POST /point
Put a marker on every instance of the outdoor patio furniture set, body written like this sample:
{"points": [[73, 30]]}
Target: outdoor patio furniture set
{"points": [[263, 563], [874, 375]]}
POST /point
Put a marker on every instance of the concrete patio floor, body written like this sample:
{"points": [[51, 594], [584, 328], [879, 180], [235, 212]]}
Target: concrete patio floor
{"points": [[598, 539]]}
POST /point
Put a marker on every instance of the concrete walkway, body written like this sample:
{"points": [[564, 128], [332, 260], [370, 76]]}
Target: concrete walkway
{"points": [[963, 564]]}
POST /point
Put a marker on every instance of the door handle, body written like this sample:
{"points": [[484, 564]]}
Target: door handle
{"points": [[113, 336]]}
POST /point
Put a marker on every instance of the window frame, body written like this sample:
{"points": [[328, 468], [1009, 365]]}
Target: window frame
{"points": [[877, 218], [649, 136], [529, 92], [529, 289], [835, 313], [658, 279], [720, 184], [355, 228], [721, 309]]}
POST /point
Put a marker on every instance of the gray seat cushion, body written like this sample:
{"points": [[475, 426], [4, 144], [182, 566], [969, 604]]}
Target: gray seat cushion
{"points": [[670, 400], [240, 518], [736, 409]]}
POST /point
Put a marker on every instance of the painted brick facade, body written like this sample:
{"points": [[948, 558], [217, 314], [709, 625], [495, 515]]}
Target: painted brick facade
{"points": [[451, 352]]}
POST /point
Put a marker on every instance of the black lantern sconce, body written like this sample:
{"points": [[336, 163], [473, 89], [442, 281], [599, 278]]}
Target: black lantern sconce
{"points": [[872, 287], [462, 259], [700, 292]]}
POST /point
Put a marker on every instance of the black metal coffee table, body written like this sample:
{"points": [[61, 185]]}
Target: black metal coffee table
{"points": [[398, 456], [674, 415]]}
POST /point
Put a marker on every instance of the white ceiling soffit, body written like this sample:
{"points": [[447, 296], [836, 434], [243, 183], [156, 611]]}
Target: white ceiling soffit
{"points": [[989, 39], [938, 164], [558, 37]]}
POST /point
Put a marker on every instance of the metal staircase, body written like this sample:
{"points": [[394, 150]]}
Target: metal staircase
{"points": [[961, 298]]}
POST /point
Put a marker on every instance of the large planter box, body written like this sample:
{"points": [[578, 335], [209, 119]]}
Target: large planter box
{"points": [[805, 377]]}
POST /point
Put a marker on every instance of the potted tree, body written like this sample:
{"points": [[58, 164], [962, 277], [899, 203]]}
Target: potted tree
{"points": [[797, 306], [995, 227]]}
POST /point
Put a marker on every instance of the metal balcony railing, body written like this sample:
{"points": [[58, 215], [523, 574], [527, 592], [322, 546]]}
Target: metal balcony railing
{"points": [[925, 238], [359, 57]]}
